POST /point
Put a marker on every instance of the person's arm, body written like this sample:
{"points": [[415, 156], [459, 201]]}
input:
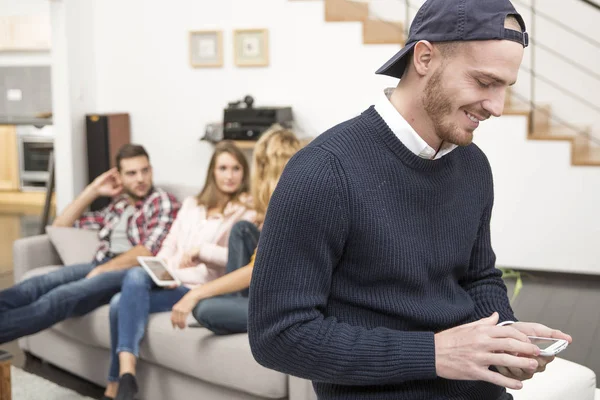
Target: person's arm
{"points": [[302, 241], [213, 255], [483, 281], [229, 283], [107, 184], [124, 261], [169, 245], [164, 210]]}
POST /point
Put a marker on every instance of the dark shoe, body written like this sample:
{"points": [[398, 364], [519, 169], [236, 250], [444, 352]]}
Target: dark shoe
{"points": [[128, 387], [106, 398]]}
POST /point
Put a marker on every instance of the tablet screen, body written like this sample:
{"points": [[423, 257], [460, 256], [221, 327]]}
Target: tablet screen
{"points": [[159, 270]]}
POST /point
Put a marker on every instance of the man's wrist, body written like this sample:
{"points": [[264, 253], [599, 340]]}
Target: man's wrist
{"points": [[90, 192]]}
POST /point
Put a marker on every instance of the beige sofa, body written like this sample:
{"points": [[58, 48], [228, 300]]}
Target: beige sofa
{"points": [[192, 363]]}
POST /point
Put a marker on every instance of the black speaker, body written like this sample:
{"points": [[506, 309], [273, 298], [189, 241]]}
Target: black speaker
{"points": [[105, 134]]}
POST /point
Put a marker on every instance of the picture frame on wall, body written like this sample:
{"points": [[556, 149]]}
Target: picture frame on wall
{"points": [[251, 47], [206, 49]]}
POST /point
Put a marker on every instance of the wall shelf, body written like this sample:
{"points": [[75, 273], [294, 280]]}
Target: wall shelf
{"points": [[245, 144]]}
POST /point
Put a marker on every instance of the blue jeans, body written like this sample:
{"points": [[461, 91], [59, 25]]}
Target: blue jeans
{"points": [[41, 301], [129, 311], [228, 313]]}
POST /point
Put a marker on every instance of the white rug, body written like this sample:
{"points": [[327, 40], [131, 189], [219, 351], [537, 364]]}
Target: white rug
{"points": [[26, 386]]}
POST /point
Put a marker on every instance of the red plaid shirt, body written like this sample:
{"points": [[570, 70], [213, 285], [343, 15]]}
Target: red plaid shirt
{"points": [[148, 225]]}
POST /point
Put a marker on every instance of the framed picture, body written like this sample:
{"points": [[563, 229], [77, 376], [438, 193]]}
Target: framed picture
{"points": [[251, 47], [206, 49]]}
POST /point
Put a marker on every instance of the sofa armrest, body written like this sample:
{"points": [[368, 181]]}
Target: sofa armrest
{"points": [[562, 380], [33, 252], [300, 389]]}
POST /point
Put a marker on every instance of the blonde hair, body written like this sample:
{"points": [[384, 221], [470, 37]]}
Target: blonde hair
{"points": [[211, 196], [271, 153]]}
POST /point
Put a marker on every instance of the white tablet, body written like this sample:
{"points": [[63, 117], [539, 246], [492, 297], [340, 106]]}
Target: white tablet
{"points": [[158, 271]]}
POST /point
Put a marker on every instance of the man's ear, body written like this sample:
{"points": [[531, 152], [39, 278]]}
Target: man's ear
{"points": [[422, 56]]}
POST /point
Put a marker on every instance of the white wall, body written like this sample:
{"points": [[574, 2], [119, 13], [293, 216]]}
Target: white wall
{"points": [[321, 69], [24, 7], [73, 92], [545, 214]]}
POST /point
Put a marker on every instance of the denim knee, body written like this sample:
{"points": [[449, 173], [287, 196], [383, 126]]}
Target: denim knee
{"points": [[137, 277], [242, 228], [113, 312], [202, 313]]}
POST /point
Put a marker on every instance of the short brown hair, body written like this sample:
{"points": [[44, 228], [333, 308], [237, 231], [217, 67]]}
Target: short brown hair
{"points": [[130, 151]]}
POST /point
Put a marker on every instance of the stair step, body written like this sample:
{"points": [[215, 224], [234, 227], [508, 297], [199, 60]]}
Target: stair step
{"points": [[583, 153], [376, 31], [541, 117], [560, 132], [346, 11], [554, 133], [516, 110]]}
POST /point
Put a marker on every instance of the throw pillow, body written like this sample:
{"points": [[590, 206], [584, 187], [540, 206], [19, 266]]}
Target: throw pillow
{"points": [[74, 245]]}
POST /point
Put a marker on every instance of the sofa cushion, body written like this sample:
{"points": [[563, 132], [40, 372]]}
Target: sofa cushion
{"points": [[222, 360], [73, 245], [40, 271], [562, 380], [92, 329]]}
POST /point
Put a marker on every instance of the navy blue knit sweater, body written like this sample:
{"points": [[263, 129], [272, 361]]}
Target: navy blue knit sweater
{"points": [[367, 250]]}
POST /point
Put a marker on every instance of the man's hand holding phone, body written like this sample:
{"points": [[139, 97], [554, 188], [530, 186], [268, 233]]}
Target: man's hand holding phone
{"points": [[467, 351], [534, 332]]}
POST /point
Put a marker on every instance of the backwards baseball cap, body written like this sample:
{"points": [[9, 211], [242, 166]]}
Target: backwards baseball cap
{"points": [[457, 20]]}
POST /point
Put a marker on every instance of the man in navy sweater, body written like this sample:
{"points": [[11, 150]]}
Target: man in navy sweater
{"points": [[375, 277]]}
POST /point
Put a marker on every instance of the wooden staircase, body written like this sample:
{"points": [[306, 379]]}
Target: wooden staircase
{"points": [[583, 153], [377, 31]]}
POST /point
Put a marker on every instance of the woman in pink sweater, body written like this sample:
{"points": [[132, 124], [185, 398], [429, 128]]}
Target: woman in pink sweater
{"points": [[195, 250]]}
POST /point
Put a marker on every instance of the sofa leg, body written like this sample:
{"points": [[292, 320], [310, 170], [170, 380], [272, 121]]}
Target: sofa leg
{"points": [[5, 384]]}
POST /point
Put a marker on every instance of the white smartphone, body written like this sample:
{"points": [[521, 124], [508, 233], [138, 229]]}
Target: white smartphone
{"points": [[549, 347], [158, 271]]}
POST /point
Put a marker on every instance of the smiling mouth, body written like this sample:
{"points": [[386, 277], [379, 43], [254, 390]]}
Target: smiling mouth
{"points": [[474, 118]]}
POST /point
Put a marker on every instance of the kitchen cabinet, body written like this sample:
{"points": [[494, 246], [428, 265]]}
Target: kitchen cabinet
{"points": [[10, 230], [9, 158]]}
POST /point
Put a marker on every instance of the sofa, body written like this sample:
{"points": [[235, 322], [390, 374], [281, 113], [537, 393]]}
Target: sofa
{"points": [[173, 364], [194, 363]]}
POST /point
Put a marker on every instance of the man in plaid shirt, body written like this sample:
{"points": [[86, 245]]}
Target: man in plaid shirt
{"points": [[134, 224]]}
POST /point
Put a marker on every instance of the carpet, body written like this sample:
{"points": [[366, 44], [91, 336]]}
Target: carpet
{"points": [[26, 386]]}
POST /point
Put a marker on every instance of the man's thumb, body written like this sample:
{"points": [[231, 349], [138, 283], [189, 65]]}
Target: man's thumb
{"points": [[491, 320]]}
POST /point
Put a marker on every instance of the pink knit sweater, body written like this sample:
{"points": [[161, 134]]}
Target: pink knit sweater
{"points": [[194, 229]]}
